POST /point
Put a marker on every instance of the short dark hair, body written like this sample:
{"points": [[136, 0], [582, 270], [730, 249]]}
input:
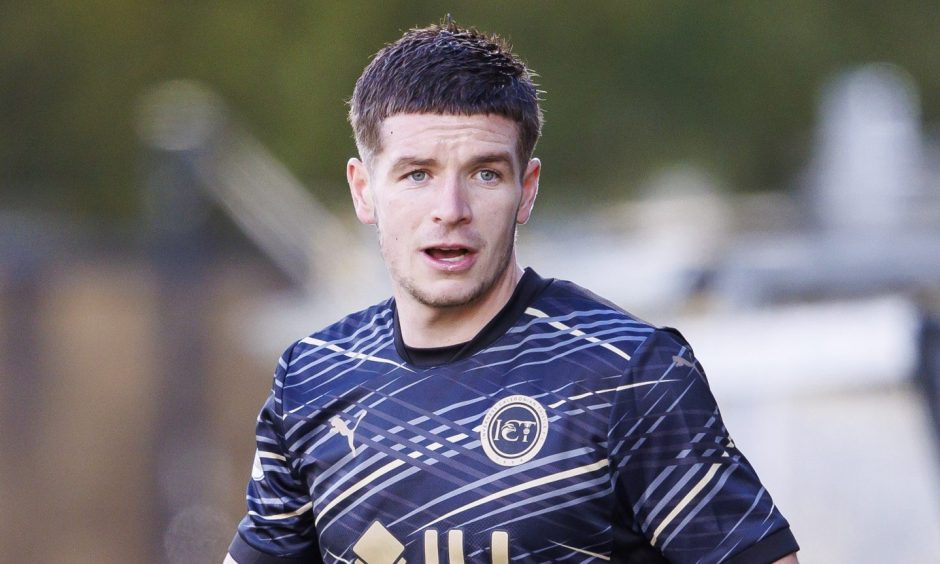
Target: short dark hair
{"points": [[445, 69]]}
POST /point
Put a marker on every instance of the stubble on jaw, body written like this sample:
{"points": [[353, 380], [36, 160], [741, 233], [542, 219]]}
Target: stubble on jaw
{"points": [[408, 285]]}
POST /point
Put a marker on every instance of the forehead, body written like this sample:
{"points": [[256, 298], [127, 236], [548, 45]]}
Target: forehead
{"points": [[434, 135]]}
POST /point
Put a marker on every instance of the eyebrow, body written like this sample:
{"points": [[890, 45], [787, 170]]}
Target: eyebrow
{"points": [[493, 158], [409, 161]]}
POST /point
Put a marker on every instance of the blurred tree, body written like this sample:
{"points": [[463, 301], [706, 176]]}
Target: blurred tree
{"points": [[630, 86]]}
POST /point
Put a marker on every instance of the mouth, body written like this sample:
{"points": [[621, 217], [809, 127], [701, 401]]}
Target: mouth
{"points": [[450, 258], [447, 254]]}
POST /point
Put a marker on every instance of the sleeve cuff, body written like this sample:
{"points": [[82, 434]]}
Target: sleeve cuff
{"points": [[769, 549], [244, 553]]}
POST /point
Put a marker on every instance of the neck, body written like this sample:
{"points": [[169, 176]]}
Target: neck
{"points": [[424, 326]]}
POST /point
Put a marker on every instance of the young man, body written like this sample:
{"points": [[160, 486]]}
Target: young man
{"points": [[485, 413]]}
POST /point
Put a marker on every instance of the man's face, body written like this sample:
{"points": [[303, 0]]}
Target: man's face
{"points": [[445, 194]]}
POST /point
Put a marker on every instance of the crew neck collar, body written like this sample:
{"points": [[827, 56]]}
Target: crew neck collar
{"points": [[528, 288]]}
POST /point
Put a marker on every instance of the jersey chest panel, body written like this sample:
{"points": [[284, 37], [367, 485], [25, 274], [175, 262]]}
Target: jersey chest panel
{"points": [[480, 460]]}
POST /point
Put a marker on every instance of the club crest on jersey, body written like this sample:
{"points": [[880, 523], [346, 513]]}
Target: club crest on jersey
{"points": [[514, 430]]}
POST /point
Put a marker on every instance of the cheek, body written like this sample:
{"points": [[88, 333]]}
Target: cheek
{"points": [[404, 214], [507, 211], [393, 229]]}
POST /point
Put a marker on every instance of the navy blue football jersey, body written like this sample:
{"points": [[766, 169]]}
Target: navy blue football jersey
{"points": [[566, 431]]}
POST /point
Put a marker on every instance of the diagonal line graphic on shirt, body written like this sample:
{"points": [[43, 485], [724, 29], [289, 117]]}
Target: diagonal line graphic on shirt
{"points": [[418, 434], [281, 516], [437, 417], [351, 368], [567, 352], [313, 414], [706, 499], [757, 498], [522, 487], [640, 326], [364, 333], [557, 507], [374, 476], [377, 391], [577, 332], [378, 488], [375, 339], [608, 390], [389, 436], [495, 479], [552, 503], [612, 326], [582, 551], [684, 502], [666, 373], [353, 354], [396, 464], [353, 360]]}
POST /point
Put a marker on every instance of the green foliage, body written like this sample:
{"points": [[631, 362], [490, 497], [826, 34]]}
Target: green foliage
{"points": [[630, 86]]}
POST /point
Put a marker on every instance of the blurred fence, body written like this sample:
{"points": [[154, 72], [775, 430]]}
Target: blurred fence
{"points": [[84, 403]]}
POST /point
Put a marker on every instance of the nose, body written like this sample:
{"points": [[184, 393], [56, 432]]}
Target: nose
{"points": [[451, 204]]}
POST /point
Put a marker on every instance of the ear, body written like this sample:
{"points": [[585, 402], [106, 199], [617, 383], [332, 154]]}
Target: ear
{"points": [[530, 189], [357, 175]]}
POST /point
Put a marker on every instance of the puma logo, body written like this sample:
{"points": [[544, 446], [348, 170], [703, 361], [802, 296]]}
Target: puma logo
{"points": [[682, 361], [340, 426]]}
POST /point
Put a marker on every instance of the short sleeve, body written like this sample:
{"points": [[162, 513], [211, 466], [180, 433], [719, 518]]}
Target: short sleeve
{"points": [[680, 481], [278, 526]]}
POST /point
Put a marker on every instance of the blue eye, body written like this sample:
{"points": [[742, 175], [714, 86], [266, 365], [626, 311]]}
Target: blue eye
{"points": [[418, 176], [489, 175]]}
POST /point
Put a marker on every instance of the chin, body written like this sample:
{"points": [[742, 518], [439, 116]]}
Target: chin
{"points": [[453, 293]]}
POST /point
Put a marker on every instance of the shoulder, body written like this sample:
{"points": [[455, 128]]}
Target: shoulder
{"points": [[351, 328], [567, 306], [366, 329], [566, 296]]}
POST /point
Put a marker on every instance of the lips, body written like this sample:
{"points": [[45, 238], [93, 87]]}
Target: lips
{"points": [[449, 254], [450, 257]]}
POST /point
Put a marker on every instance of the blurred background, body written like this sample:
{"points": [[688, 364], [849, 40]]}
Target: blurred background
{"points": [[173, 213]]}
